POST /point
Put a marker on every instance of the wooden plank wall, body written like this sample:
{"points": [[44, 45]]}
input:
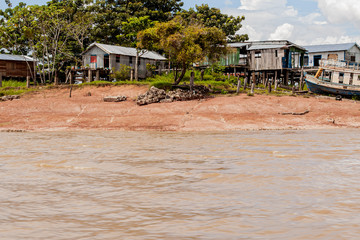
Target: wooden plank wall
{"points": [[15, 68]]}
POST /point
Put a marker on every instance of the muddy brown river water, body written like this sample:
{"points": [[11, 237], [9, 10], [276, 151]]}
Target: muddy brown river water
{"points": [[151, 185]]}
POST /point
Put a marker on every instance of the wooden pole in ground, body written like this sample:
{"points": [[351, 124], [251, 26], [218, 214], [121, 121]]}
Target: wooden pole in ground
{"points": [[192, 76], [286, 78], [269, 86], [276, 81], [90, 77], [0, 79], [253, 83], [301, 80], [238, 85], [71, 82], [27, 81], [97, 78]]}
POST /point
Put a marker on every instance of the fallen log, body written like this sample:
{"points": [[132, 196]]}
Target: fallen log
{"points": [[295, 113]]}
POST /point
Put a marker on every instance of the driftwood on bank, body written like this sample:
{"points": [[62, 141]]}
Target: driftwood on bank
{"points": [[295, 113], [115, 98]]}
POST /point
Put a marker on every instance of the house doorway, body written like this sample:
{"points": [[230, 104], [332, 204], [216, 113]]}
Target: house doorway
{"points": [[106, 61], [317, 59]]}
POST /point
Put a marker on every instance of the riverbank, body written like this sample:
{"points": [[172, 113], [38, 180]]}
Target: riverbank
{"points": [[53, 110]]}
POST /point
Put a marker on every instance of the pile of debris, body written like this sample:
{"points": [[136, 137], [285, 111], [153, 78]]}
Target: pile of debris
{"points": [[9, 97], [156, 95]]}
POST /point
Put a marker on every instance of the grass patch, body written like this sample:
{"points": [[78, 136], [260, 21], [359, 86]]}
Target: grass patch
{"points": [[12, 87]]}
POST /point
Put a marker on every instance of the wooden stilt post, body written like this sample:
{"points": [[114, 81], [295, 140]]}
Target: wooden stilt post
{"points": [[286, 78], [97, 78], [276, 81], [253, 83], [131, 74], [0, 79], [90, 77], [301, 80], [238, 85], [269, 85]]}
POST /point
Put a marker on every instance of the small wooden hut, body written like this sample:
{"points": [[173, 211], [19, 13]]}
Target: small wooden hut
{"points": [[16, 66], [103, 56]]}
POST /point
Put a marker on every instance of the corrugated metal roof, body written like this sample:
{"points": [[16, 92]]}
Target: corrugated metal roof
{"points": [[264, 46], [329, 47], [238, 45], [127, 51], [10, 57]]}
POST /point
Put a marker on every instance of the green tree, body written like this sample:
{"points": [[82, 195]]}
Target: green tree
{"points": [[110, 15], [185, 43], [129, 37], [212, 17]]}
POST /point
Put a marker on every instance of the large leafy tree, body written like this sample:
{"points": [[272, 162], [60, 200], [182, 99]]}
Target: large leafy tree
{"points": [[185, 43], [212, 17], [45, 32], [111, 14]]}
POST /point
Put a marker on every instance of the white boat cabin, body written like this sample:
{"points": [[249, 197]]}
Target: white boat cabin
{"points": [[339, 72]]}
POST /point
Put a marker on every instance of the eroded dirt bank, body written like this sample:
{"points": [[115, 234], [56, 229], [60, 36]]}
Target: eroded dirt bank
{"points": [[52, 110]]}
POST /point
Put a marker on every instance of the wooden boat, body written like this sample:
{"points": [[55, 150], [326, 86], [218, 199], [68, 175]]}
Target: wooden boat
{"points": [[335, 77]]}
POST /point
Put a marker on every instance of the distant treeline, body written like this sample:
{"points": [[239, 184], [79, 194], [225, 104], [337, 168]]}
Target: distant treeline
{"points": [[57, 33]]}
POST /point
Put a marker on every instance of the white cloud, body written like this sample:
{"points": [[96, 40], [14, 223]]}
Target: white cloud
{"points": [[282, 32], [275, 19], [344, 11], [291, 12], [261, 4], [228, 2], [250, 31]]}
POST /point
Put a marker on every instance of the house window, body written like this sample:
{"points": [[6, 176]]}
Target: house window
{"points": [[257, 54], [93, 59], [352, 59], [117, 58], [341, 77], [130, 60], [139, 61], [276, 53]]}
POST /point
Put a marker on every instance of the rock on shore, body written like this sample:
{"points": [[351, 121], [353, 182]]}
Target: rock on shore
{"points": [[9, 97], [156, 95]]}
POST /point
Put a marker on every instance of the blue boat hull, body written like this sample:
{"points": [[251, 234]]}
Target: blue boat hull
{"points": [[322, 89]]}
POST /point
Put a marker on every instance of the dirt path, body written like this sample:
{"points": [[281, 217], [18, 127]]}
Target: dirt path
{"points": [[52, 110]]}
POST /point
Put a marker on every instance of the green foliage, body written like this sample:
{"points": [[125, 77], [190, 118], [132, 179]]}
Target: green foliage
{"points": [[13, 84], [12, 87], [162, 85], [122, 74], [212, 17], [184, 42]]}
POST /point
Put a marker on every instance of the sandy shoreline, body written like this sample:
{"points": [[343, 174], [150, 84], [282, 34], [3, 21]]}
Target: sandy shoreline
{"points": [[53, 110]]}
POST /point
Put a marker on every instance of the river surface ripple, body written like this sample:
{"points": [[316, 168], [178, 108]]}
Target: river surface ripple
{"points": [[151, 185]]}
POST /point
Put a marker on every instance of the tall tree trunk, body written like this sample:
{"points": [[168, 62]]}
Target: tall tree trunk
{"points": [[183, 71]]}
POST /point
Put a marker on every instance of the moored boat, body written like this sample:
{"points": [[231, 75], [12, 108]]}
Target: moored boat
{"points": [[335, 77]]}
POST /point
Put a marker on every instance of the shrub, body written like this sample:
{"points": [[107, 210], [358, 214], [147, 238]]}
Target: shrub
{"points": [[122, 74], [162, 85]]}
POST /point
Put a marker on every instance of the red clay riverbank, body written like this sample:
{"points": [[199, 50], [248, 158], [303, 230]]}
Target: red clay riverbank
{"points": [[52, 110]]}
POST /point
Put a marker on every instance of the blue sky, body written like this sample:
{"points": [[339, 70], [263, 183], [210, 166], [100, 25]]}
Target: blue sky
{"points": [[304, 22]]}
